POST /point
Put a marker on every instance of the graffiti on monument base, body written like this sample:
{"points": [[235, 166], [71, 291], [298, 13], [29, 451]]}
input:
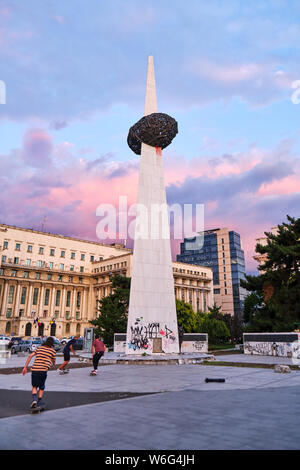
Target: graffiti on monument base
{"points": [[141, 335], [268, 348]]}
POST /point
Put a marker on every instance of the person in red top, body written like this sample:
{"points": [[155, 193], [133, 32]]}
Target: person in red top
{"points": [[98, 349]]}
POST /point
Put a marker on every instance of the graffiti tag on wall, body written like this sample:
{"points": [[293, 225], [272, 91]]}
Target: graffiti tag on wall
{"points": [[268, 349], [141, 335]]}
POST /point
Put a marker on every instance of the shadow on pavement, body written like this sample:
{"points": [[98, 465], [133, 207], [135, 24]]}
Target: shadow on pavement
{"points": [[17, 402]]}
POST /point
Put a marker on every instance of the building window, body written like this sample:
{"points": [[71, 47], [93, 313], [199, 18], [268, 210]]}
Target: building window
{"points": [[80, 280], [72, 255], [16, 260], [225, 291], [40, 263], [35, 296], [77, 326], [82, 256], [56, 313], [52, 252], [14, 273], [8, 312], [68, 298], [3, 258], [26, 274], [51, 265], [57, 301], [5, 245], [77, 315], [217, 291], [41, 250], [28, 262], [1, 272], [62, 254], [18, 246], [38, 275], [47, 295], [23, 295], [60, 278], [78, 299], [92, 258], [72, 267], [81, 269], [11, 294], [29, 248], [61, 266], [49, 277], [67, 328], [67, 315], [21, 312]]}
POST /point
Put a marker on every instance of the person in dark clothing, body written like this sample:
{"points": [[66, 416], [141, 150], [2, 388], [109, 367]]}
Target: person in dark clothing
{"points": [[98, 349], [67, 353]]}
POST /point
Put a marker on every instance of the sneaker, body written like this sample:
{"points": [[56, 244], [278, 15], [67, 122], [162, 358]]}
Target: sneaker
{"points": [[33, 404]]}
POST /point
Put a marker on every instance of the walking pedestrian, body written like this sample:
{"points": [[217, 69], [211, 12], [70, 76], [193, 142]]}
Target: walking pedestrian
{"points": [[45, 357], [98, 350], [67, 353]]}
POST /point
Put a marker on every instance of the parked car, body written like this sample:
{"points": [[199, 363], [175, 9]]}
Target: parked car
{"points": [[14, 340], [78, 345], [35, 344], [57, 346], [5, 339], [22, 346]]}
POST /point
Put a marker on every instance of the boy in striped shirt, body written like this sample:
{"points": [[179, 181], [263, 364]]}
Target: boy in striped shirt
{"points": [[45, 357]]}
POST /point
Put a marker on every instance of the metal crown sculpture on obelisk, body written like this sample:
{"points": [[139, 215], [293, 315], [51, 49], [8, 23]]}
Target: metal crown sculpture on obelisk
{"points": [[152, 321]]}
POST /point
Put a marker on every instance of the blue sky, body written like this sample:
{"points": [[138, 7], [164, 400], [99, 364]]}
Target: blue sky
{"points": [[75, 76]]}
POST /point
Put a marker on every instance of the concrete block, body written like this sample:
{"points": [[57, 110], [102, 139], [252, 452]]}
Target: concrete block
{"points": [[282, 369]]}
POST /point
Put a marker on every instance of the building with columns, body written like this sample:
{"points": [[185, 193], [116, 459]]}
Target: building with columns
{"points": [[50, 284]]}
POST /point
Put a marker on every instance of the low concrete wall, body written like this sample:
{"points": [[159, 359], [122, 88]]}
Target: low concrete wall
{"points": [[270, 344], [192, 343]]}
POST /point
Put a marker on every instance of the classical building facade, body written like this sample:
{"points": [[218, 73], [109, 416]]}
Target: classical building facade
{"points": [[50, 284], [221, 250]]}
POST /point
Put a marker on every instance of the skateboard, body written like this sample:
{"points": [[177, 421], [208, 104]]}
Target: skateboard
{"points": [[62, 372], [37, 409], [93, 373]]}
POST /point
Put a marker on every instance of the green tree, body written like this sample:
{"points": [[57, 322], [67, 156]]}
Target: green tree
{"points": [[233, 323], [216, 329], [186, 316], [279, 281], [113, 310]]}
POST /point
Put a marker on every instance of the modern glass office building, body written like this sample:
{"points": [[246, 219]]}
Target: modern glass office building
{"points": [[221, 250]]}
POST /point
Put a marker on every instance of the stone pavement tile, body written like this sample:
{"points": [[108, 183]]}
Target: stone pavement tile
{"points": [[212, 420]]}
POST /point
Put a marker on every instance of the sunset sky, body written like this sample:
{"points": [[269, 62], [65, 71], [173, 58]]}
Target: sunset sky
{"points": [[75, 77]]}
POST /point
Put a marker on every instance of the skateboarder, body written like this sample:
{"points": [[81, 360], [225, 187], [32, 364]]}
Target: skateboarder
{"points": [[45, 357], [67, 354], [98, 349]]}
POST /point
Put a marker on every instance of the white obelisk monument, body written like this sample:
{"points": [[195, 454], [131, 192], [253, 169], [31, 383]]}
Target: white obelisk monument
{"points": [[152, 322]]}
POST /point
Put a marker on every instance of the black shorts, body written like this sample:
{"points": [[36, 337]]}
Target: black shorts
{"points": [[38, 379], [67, 355]]}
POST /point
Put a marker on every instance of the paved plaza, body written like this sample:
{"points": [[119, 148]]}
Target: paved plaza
{"points": [[253, 409]]}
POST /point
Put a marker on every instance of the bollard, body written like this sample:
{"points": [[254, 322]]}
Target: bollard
{"points": [[214, 380]]}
